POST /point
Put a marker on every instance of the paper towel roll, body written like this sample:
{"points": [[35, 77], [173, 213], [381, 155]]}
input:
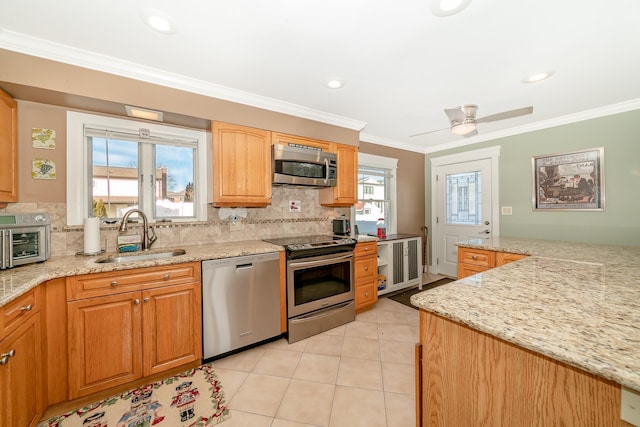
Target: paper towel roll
{"points": [[91, 235]]}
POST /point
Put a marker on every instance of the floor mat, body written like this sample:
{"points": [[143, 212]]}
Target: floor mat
{"points": [[404, 296]]}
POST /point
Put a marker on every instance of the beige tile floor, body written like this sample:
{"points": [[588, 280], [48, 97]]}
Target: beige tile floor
{"points": [[358, 374]]}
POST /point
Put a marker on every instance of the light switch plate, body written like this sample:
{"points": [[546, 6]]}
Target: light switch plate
{"points": [[630, 406], [507, 210]]}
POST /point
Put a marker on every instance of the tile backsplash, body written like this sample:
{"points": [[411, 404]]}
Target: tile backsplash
{"points": [[272, 221]]}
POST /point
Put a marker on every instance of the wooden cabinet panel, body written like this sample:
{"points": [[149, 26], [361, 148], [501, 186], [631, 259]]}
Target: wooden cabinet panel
{"points": [[471, 379], [284, 139], [365, 275], [477, 257], [105, 335], [9, 149], [345, 193], [241, 166], [20, 309], [93, 285], [172, 334], [117, 337], [503, 258], [21, 400]]}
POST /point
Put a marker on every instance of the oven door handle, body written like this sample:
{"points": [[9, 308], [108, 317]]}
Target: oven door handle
{"points": [[319, 262]]}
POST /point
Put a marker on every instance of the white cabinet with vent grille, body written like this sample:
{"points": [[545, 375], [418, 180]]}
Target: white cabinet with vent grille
{"points": [[400, 262]]}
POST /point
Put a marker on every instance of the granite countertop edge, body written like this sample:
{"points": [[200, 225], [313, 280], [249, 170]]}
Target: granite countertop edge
{"points": [[19, 280], [573, 302]]}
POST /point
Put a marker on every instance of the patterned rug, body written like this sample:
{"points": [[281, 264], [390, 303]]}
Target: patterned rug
{"points": [[192, 398]]}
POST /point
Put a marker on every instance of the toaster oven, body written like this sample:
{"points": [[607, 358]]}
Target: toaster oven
{"points": [[24, 238]]}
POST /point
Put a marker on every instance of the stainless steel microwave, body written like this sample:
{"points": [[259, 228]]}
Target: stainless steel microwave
{"points": [[24, 238], [302, 165]]}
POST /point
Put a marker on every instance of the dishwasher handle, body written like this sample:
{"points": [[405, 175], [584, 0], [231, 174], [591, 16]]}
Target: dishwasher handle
{"points": [[244, 266]]}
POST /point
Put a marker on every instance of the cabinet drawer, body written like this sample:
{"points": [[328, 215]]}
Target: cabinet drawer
{"points": [[365, 268], [365, 295], [477, 257], [92, 285], [19, 310], [465, 270], [365, 249], [503, 258]]}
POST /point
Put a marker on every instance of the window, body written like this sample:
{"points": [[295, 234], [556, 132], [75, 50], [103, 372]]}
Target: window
{"points": [[376, 193], [115, 165]]}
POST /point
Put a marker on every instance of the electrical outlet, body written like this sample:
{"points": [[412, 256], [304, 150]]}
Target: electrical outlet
{"points": [[506, 210], [630, 406]]}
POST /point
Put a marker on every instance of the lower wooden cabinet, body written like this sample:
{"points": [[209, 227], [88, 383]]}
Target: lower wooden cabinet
{"points": [[117, 338], [366, 274], [21, 379], [472, 261]]}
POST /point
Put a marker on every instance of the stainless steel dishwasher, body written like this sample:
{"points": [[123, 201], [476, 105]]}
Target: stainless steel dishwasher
{"points": [[240, 302]]}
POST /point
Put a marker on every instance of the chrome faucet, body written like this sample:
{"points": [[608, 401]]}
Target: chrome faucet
{"points": [[146, 240]]}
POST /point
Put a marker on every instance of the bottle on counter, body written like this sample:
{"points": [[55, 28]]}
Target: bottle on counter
{"points": [[382, 230]]}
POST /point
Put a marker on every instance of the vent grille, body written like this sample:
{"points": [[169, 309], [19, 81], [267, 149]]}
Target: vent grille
{"points": [[398, 263]]}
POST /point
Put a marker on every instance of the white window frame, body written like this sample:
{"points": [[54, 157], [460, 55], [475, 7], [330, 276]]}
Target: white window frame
{"points": [[385, 163], [77, 165]]}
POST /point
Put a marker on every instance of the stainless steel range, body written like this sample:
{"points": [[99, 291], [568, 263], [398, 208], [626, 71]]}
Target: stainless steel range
{"points": [[320, 287]]}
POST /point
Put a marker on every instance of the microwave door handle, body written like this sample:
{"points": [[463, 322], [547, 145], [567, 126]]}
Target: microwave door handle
{"points": [[326, 171]]}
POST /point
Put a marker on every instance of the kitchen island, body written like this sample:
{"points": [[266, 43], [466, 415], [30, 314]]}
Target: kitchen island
{"points": [[568, 305]]}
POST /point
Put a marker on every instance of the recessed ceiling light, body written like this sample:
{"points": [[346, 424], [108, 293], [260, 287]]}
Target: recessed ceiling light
{"points": [[335, 84], [159, 21], [448, 7], [143, 113], [537, 77]]}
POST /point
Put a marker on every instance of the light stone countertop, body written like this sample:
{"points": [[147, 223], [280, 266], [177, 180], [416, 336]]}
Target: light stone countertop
{"points": [[577, 303], [16, 281]]}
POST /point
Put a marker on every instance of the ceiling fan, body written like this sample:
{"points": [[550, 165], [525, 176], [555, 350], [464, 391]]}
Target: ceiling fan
{"points": [[463, 120]]}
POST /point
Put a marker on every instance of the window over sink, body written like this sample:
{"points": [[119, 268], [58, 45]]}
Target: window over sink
{"points": [[114, 165]]}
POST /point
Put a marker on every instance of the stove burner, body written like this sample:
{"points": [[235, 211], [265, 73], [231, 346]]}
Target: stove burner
{"points": [[295, 243]]}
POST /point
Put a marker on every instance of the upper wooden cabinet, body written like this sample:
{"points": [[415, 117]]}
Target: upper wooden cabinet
{"points": [[345, 193], [241, 166], [9, 149], [284, 139]]}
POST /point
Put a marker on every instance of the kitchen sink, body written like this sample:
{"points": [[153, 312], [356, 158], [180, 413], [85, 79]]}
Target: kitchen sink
{"points": [[141, 256]]}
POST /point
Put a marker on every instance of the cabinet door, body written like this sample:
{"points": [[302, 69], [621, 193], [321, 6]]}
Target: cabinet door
{"points": [[503, 258], [241, 166], [345, 193], [105, 338], [9, 149], [21, 375], [172, 322]]}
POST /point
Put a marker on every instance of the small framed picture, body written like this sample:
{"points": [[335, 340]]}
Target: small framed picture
{"points": [[569, 181]]}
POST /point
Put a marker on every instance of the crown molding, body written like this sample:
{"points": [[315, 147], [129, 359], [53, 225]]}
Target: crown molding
{"points": [[387, 142], [46, 49]]}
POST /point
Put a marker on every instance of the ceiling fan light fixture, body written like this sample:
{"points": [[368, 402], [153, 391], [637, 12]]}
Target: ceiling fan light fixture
{"points": [[448, 7], [463, 128]]}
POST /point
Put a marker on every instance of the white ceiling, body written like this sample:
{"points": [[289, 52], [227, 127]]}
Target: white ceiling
{"points": [[401, 64]]}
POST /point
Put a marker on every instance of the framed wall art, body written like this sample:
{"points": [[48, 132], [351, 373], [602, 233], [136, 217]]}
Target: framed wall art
{"points": [[569, 181]]}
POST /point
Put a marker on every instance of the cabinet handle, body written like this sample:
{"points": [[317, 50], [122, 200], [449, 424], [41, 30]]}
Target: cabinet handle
{"points": [[147, 299], [4, 357], [136, 301], [366, 248], [366, 269], [166, 276], [114, 283], [27, 307], [366, 294], [474, 257]]}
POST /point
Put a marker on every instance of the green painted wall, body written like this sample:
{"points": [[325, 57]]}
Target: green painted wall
{"points": [[618, 224]]}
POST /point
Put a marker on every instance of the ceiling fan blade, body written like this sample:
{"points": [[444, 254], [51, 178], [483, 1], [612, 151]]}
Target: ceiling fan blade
{"points": [[425, 133], [455, 114], [506, 115]]}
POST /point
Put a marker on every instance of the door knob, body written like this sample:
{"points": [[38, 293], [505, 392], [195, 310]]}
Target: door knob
{"points": [[484, 232], [487, 223]]}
